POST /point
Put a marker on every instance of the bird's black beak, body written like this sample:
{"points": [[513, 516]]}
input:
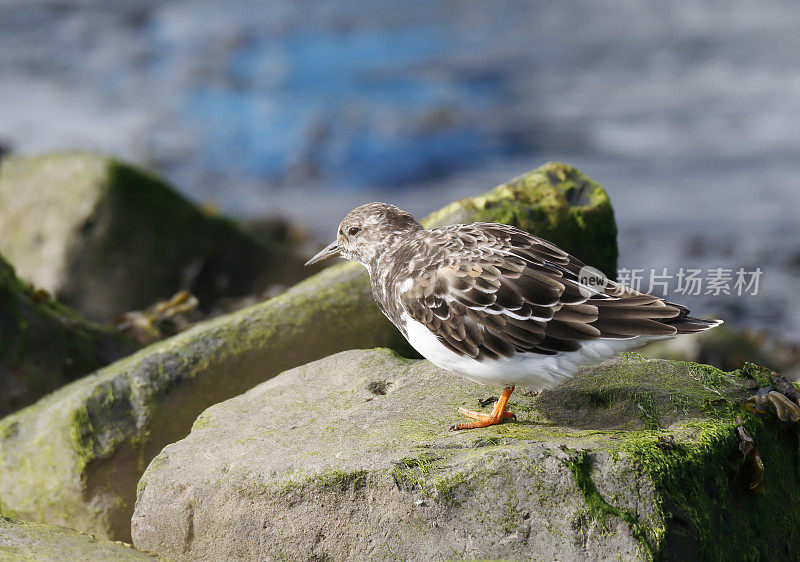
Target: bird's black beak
{"points": [[331, 249]]}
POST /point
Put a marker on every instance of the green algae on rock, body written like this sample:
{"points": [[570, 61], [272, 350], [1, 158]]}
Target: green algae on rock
{"points": [[75, 457], [587, 471], [105, 237], [556, 202], [727, 348], [22, 541], [44, 345]]}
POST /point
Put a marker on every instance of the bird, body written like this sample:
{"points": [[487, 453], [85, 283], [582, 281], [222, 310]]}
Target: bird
{"points": [[497, 305]]}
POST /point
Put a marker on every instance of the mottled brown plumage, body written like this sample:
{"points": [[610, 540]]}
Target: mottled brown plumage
{"points": [[489, 290], [492, 293]]}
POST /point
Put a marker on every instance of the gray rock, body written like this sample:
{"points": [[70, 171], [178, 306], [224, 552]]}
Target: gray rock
{"points": [[44, 345], [105, 237], [349, 458], [39, 542], [75, 457]]}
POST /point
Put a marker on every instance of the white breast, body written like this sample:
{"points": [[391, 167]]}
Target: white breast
{"points": [[523, 369]]}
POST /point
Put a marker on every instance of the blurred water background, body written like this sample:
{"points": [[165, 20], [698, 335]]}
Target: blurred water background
{"points": [[688, 112]]}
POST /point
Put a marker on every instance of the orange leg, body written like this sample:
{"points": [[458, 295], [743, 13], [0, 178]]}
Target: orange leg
{"points": [[484, 420]]}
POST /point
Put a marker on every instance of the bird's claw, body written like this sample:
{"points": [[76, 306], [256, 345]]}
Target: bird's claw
{"points": [[482, 419]]}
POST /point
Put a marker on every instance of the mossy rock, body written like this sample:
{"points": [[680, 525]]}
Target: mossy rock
{"points": [[44, 345], [75, 457], [728, 348], [556, 202], [105, 237], [22, 541], [350, 457]]}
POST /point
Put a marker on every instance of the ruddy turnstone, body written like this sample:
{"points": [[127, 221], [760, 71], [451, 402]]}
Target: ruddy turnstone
{"points": [[497, 305]]}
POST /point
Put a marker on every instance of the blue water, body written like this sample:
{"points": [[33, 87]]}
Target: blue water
{"points": [[686, 111]]}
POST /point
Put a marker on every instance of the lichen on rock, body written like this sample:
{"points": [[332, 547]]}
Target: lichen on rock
{"points": [[633, 458]]}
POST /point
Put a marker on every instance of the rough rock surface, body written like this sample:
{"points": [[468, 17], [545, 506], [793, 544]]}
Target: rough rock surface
{"points": [[39, 542], [44, 345], [105, 237], [75, 457], [727, 348], [350, 458]]}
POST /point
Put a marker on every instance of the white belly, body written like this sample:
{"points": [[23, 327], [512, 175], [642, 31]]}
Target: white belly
{"points": [[523, 369]]}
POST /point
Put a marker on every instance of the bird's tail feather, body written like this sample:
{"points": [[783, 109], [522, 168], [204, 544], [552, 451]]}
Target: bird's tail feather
{"points": [[691, 325]]}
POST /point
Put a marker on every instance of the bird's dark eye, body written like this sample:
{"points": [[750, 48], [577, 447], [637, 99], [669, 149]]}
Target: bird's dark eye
{"points": [[354, 230]]}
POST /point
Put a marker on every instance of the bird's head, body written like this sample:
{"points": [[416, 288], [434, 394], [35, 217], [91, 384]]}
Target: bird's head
{"points": [[367, 231]]}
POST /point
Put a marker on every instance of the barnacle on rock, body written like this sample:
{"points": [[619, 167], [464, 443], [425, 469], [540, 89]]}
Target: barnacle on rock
{"points": [[785, 400]]}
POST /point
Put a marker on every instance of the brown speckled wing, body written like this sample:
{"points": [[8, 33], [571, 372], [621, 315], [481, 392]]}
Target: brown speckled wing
{"points": [[489, 291]]}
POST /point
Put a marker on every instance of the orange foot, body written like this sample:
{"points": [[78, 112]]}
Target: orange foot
{"points": [[484, 420]]}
